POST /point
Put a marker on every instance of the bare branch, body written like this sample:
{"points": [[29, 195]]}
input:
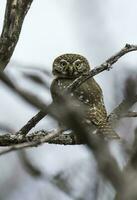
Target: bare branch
{"points": [[14, 16], [104, 66], [130, 114], [130, 99], [34, 143], [11, 139], [122, 110], [30, 98], [32, 123], [28, 165]]}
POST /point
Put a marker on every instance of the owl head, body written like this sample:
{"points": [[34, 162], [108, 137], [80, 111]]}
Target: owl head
{"points": [[70, 66]]}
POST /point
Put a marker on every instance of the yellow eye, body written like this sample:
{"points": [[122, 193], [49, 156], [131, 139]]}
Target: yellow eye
{"points": [[63, 63], [77, 63]]}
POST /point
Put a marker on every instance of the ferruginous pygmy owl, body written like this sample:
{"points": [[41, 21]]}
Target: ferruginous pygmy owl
{"points": [[66, 69]]}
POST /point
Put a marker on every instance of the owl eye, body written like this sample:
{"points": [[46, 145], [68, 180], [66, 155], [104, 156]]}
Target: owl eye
{"points": [[63, 63], [77, 63]]}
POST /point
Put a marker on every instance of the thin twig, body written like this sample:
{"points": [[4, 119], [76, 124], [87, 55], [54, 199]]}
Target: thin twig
{"points": [[130, 114], [32, 123]]}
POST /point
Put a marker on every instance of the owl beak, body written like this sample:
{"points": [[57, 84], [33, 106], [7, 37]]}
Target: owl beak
{"points": [[71, 70]]}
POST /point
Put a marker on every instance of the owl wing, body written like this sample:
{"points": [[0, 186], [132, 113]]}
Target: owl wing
{"points": [[97, 114], [90, 94], [95, 110]]}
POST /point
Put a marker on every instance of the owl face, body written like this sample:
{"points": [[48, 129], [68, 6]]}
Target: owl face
{"points": [[70, 66]]}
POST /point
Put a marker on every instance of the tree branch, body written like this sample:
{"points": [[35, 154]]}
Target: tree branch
{"points": [[62, 139], [130, 114], [14, 17], [107, 65], [32, 143], [10, 139]]}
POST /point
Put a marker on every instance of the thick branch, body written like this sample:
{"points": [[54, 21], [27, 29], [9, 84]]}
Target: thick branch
{"points": [[14, 17], [10, 139], [33, 141]]}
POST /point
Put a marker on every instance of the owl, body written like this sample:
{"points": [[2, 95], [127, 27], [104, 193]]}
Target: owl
{"points": [[68, 67]]}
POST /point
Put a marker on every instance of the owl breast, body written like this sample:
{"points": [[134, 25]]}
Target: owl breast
{"points": [[89, 94]]}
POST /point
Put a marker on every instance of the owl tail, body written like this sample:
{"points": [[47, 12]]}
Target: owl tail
{"points": [[105, 130]]}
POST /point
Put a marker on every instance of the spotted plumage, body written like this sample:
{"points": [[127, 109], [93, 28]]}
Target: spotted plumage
{"points": [[66, 69]]}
